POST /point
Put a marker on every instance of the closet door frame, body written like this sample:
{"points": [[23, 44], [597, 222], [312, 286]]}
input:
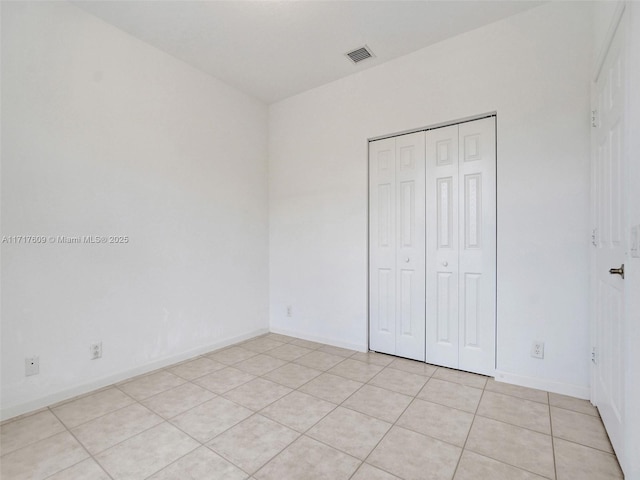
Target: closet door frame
{"points": [[486, 369]]}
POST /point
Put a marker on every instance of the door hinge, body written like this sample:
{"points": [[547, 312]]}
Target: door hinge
{"points": [[594, 237], [594, 118], [594, 355]]}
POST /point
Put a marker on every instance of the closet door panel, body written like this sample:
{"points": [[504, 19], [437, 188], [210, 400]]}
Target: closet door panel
{"points": [[477, 245], [442, 246], [382, 245], [410, 246]]}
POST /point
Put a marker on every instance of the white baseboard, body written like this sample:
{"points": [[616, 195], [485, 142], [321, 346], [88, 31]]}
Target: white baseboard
{"points": [[77, 390], [314, 338], [544, 384]]}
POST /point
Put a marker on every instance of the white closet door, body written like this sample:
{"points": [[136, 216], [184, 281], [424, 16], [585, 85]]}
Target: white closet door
{"points": [[382, 245], [477, 246], [397, 246], [442, 246], [410, 246]]}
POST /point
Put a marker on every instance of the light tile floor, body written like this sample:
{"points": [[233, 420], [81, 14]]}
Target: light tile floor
{"points": [[277, 407]]}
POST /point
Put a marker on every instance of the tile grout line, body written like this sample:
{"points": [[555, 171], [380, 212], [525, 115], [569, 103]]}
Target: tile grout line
{"points": [[553, 443], [488, 456], [83, 447], [496, 459], [394, 424], [464, 446]]}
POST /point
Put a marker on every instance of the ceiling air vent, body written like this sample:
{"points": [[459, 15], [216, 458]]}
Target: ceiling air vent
{"points": [[360, 54]]}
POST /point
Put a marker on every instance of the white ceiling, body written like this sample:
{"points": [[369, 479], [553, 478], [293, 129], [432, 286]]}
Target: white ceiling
{"points": [[275, 49]]}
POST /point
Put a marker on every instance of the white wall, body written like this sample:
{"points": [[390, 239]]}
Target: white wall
{"points": [[105, 135], [534, 70]]}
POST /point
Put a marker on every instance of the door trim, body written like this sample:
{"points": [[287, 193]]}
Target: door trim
{"points": [[432, 127], [611, 32], [493, 114]]}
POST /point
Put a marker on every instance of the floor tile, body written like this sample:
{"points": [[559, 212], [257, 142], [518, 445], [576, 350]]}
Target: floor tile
{"points": [[29, 414], [580, 428], [112, 428], [478, 467], [332, 388], [517, 446], [572, 403], [451, 394], [260, 364], [306, 343], [413, 366], [146, 453], [288, 352], [399, 381], [27, 430], [178, 400], [257, 393], [349, 431], [224, 380], [231, 355], [253, 442], [368, 472], [261, 345], [278, 337], [438, 421], [516, 411], [43, 458], [517, 391], [309, 460], [458, 376], [84, 470], [413, 456], [577, 462], [319, 360], [87, 408], [288, 410], [201, 464], [292, 375], [211, 418], [148, 385], [355, 370], [196, 368], [373, 357], [341, 352], [240, 402], [378, 402]]}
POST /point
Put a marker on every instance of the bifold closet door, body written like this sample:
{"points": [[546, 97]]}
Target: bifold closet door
{"points": [[397, 246], [442, 246], [461, 245], [477, 244]]}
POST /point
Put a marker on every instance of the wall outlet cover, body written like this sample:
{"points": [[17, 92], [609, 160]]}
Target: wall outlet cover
{"points": [[31, 366], [537, 349]]}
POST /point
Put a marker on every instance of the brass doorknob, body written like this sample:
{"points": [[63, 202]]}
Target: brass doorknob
{"points": [[617, 271]]}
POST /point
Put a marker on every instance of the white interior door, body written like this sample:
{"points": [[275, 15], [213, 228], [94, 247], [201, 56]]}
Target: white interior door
{"points": [[382, 245], [461, 245], [477, 246], [609, 240], [397, 248], [410, 241], [442, 246]]}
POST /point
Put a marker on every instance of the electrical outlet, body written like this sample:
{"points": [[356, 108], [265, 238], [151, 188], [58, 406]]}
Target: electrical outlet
{"points": [[95, 350], [31, 366], [537, 349], [289, 311]]}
